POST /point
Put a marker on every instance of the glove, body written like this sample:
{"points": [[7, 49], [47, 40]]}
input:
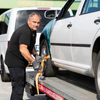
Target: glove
{"points": [[38, 58], [36, 65]]}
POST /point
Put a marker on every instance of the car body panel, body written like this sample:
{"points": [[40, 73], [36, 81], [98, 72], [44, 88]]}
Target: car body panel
{"points": [[72, 47], [47, 32]]}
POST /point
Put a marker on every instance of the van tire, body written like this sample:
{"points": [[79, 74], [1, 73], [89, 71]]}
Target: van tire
{"points": [[97, 75], [4, 76], [49, 70]]}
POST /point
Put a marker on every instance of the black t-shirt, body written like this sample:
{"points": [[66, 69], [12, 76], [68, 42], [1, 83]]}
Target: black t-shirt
{"points": [[22, 35]]}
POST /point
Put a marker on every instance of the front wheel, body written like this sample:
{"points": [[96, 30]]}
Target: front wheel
{"points": [[49, 69], [97, 75]]}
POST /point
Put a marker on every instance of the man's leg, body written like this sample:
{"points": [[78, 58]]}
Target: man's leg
{"points": [[18, 77]]}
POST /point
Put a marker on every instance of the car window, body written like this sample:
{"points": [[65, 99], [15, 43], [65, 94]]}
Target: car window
{"points": [[22, 17], [72, 9], [4, 23], [91, 6]]}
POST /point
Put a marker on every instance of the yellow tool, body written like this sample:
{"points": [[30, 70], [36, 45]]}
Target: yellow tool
{"points": [[40, 72]]}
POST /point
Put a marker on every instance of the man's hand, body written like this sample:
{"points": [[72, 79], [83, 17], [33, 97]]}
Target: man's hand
{"points": [[38, 58], [36, 65]]}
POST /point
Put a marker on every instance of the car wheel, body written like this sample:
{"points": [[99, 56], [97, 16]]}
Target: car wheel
{"points": [[48, 98], [4, 76], [49, 69], [97, 75]]}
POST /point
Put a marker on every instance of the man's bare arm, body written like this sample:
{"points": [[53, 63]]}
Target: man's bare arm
{"points": [[34, 50], [25, 53]]}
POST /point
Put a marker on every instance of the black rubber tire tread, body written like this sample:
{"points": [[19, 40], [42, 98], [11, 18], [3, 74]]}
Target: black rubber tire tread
{"points": [[96, 65], [48, 98], [4, 76], [49, 69]]}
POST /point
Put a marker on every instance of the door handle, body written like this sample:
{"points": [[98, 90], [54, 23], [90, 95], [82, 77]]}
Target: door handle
{"points": [[97, 21], [69, 25]]}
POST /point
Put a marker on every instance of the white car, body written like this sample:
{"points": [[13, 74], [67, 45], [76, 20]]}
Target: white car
{"points": [[73, 40], [9, 22]]}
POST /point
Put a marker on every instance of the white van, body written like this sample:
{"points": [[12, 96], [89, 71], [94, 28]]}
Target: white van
{"points": [[9, 22]]}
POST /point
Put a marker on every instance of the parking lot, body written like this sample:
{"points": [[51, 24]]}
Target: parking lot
{"points": [[5, 91]]}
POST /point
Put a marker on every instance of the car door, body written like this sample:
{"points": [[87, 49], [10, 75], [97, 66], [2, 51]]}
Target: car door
{"points": [[61, 37], [84, 30]]}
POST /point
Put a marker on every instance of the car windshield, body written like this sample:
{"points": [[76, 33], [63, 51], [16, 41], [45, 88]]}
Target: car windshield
{"points": [[22, 17]]}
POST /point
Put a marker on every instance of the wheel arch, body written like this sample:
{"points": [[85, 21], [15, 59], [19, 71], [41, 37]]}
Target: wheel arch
{"points": [[42, 37], [96, 49], [46, 34], [96, 46]]}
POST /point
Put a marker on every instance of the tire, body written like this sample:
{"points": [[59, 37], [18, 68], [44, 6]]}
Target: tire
{"points": [[49, 70], [4, 76], [48, 98], [97, 75]]}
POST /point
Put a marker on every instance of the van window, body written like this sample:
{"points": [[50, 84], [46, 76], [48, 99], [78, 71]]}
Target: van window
{"points": [[22, 17], [4, 23]]}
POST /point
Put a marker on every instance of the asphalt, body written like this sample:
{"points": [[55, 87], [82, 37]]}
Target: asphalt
{"points": [[5, 92]]}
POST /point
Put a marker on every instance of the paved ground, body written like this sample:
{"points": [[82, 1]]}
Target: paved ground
{"points": [[5, 91]]}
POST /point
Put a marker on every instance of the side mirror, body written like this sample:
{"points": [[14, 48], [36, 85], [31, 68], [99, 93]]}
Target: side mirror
{"points": [[50, 14]]}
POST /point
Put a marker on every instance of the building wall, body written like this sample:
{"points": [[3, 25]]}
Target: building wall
{"points": [[31, 3], [8, 4]]}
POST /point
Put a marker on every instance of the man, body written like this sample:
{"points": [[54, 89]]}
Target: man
{"points": [[21, 46]]}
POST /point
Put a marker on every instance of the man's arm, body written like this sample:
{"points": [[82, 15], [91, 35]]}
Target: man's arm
{"points": [[25, 53], [34, 50]]}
